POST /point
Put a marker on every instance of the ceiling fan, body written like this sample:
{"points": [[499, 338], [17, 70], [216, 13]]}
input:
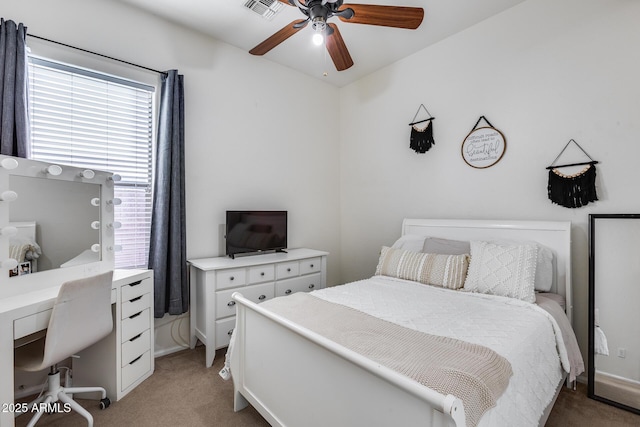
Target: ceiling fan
{"points": [[319, 11]]}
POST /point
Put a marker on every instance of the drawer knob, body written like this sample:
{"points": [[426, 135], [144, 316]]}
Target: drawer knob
{"points": [[287, 292], [230, 332], [262, 273], [311, 286], [231, 278], [288, 270], [231, 303], [311, 265], [261, 297]]}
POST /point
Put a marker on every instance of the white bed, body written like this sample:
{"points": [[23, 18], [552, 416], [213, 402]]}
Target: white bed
{"points": [[23, 245], [294, 376]]}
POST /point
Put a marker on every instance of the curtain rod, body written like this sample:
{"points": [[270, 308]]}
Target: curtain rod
{"points": [[98, 54]]}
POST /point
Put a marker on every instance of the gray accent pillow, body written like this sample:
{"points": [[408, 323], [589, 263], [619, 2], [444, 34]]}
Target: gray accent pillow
{"points": [[435, 245]]}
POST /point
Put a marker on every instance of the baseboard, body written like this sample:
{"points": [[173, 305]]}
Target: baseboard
{"points": [[618, 389], [166, 351]]}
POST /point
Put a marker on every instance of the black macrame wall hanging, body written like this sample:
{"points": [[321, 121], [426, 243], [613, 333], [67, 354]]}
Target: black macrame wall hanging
{"points": [[572, 190], [421, 139]]}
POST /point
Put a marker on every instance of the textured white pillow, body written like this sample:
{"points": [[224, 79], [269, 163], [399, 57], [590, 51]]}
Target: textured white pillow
{"points": [[506, 270], [544, 265]]}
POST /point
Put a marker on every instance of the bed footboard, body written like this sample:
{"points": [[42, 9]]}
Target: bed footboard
{"points": [[295, 377]]}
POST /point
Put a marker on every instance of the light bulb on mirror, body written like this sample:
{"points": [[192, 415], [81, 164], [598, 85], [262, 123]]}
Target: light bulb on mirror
{"points": [[87, 174], [95, 201], [95, 225], [9, 163], [95, 247], [115, 225], [8, 196], [9, 231], [114, 202], [115, 248], [115, 177], [53, 170], [10, 263]]}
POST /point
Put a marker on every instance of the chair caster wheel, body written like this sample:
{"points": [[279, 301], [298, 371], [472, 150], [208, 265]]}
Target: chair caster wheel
{"points": [[104, 403]]}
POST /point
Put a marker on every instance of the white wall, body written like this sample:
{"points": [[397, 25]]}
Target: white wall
{"points": [[542, 72], [251, 138]]}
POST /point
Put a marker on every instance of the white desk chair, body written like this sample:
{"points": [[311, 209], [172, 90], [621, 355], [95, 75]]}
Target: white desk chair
{"points": [[81, 316]]}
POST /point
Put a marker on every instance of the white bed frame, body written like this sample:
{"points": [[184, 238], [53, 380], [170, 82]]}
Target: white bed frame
{"points": [[27, 229], [295, 377]]}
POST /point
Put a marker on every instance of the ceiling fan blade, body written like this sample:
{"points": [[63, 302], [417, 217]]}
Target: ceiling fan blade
{"points": [[386, 16], [278, 37], [338, 50]]}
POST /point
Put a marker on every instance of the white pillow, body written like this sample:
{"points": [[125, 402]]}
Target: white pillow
{"points": [[544, 265], [410, 242], [544, 269], [505, 270]]}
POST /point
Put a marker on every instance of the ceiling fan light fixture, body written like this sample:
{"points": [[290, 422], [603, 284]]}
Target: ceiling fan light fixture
{"points": [[318, 39], [319, 26]]}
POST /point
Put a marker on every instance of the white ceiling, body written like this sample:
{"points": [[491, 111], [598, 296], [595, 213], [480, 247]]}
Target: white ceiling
{"points": [[371, 47]]}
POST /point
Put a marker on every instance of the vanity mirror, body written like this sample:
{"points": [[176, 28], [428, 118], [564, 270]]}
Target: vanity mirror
{"points": [[614, 318], [55, 220], [62, 213]]}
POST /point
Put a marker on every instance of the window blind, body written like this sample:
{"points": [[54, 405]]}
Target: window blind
{"points": [[87, 119]]}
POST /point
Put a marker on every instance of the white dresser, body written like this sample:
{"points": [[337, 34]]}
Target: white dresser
{"points": [[125, 358], [257, 277]]}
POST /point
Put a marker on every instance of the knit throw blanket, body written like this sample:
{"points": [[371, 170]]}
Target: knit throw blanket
{"points": [[473, 373]]}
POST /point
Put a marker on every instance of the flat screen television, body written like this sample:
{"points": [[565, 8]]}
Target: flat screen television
{"points": [[255, 232]]}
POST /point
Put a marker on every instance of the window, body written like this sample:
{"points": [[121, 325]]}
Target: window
{"points": [[88, 119]]}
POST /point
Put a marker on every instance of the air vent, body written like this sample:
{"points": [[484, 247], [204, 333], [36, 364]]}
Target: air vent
{"points": [[265, 8]]}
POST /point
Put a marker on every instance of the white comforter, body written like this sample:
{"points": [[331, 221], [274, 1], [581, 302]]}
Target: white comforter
{"points": [[526, 335]]}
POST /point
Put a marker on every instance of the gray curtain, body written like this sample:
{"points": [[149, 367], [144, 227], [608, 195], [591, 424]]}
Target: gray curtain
{"points": [[167, 250], [14, 118]]}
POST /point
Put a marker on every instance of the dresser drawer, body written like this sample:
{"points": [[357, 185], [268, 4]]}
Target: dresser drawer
{"points": [[136, 346], [231, 278], [226, 306], [136, 369], [287, 269], [261, 273], [135, 305], [224, 328], [135, 324], [311, 265], [135, 289], [298, 284]]}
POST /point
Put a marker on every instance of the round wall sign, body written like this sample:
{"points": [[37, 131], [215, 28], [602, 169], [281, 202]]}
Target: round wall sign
{"points": [[483, 147]]}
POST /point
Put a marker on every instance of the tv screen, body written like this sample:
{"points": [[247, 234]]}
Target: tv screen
{"points": [[254, 232]]}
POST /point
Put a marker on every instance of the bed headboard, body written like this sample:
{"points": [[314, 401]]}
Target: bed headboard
{"points": [[556, 235], [25, 229]]}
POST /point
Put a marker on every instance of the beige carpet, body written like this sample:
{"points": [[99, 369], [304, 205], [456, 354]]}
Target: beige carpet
{"points": [[182, 392]]}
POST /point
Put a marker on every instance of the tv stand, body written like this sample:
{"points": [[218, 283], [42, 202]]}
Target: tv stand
{"points": [[259, 278]]}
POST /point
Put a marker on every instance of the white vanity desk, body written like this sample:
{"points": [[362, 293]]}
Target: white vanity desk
{"points": [[119, 362], [73, 210]]}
